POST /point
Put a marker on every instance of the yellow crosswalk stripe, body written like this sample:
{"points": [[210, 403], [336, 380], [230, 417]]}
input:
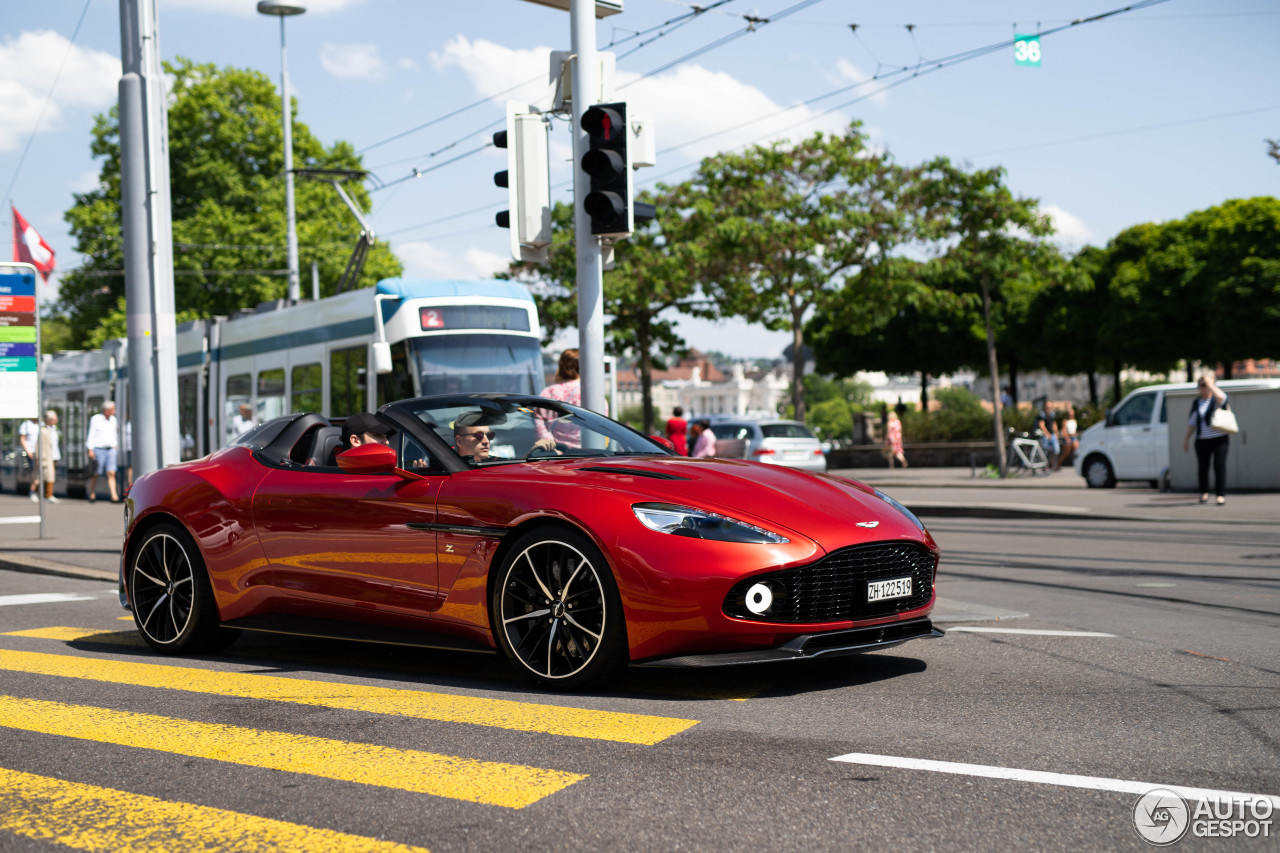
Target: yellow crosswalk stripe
{"points": [[70, 635], [492, 783], [704, 690], [498, 713], [88, 817]]}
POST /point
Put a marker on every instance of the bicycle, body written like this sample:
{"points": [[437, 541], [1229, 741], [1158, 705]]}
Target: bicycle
{"points": [[1026, 455]]}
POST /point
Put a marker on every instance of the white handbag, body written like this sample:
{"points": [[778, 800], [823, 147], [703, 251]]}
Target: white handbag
{"points": [[1224, 420]]}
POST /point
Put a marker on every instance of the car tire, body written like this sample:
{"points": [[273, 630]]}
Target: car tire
{"points": [[1098, 473], [556, 613], [169, 593]]}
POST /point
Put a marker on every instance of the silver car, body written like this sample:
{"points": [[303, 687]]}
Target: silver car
{"points": [[777, 442]]}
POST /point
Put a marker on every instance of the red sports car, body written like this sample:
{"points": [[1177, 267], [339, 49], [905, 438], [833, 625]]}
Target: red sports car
{"points": [[569, 542]]}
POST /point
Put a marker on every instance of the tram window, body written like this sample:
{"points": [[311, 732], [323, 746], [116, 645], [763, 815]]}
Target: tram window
{"points": [[398, 384], [270, 394], [187, 390], [239, 393], [347, 370], [307, 381]]}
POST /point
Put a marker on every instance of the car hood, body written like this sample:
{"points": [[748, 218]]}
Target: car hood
{"points": [[831, 511]]}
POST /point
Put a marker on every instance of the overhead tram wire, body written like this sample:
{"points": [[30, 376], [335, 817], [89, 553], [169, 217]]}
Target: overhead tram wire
{"points": [[17, 170], [450, 115], [679, 21], [913, 72], [753, 22], [1122, 132]]}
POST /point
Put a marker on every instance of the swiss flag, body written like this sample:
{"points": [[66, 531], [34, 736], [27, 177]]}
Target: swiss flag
{"points": [[29, 247]]}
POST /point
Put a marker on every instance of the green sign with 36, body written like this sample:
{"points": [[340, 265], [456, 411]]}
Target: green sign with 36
{"points": [[1026, 50]]}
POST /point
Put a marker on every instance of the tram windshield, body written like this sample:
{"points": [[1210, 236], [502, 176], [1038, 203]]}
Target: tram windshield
{"points": [[470, 363]]}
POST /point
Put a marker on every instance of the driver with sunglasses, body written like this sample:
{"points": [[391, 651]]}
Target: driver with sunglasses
{"points": [[473, 437]]}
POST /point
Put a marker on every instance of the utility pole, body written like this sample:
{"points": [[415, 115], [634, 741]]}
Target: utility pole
{"points": [[148, 241], [586, 89]]}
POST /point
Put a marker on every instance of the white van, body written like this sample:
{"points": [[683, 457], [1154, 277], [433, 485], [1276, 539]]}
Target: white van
{"points": [[1133, 442]]}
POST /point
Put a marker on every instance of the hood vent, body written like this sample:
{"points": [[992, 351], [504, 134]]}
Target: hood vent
{"points": [[632, 472]]}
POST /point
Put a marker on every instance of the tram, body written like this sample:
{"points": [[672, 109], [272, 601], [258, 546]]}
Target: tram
{"points": [[340, 355]]}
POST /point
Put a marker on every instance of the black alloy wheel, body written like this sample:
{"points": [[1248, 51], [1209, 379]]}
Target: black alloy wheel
{"points": [[173, 604], [556, 611]]}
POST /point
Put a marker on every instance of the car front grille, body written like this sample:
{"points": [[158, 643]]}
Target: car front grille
{"points": [[835, 588]]}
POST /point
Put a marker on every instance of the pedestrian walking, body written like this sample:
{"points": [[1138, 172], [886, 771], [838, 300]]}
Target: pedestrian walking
{"points": [[29, 439], [893, 441], [50, 453], [103, 441], [1211, 442]]}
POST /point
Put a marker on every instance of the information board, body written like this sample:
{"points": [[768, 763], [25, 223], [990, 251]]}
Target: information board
{"points": [[19, 360]]}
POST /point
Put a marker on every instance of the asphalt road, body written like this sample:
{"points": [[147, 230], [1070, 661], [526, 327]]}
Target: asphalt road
{"points": [[285, 741]]}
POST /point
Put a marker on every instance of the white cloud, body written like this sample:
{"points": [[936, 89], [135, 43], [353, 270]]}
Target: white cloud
{"points": [[493, 68], [425, 260], [353, 61], [847, 72], [1070, 229], [244, 8], [28, 65], [406, 64], [685, 104]]}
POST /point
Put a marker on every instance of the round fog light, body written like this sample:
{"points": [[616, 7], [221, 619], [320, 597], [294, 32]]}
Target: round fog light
{"points": [[759, 598]]}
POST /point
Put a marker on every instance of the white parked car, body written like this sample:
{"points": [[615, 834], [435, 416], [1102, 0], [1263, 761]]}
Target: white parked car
{"points": [[1133, 442], [777, 442]]}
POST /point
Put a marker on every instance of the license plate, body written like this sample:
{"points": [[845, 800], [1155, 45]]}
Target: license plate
{"points": [[894, 588]]}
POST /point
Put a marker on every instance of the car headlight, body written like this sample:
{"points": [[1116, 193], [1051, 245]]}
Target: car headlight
{"points": [[701, 524], [900, 508]]}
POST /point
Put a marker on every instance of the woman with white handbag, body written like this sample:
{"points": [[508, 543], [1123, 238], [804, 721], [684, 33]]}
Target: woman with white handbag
{"points": [[1212, 424]]}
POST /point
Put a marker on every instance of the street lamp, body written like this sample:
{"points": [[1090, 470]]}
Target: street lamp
{"points": [[282, 11]]}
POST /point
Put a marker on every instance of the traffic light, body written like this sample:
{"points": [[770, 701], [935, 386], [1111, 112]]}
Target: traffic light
{"points": [[607, 163], [528, 183]]}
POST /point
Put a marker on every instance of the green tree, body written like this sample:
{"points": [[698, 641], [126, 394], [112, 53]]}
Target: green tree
{"points": [[793, 222], [921, 329], [656, 273], [1238, 269], [226, 162], [992, 240]]}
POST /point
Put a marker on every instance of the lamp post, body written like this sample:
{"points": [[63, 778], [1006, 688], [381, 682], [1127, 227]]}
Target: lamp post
{"points": [[282, 11]]}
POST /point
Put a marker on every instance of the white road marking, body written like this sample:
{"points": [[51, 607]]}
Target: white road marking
{"points": [[21, 519], [44, 598], [1094, 783], [975, 629]]}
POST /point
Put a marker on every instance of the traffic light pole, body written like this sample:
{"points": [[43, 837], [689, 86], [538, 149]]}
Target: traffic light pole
{"points": [[586, 89]]}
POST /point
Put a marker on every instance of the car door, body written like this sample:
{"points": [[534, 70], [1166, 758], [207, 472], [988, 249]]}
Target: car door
{"points": [[357, 540], [1129, 438]]}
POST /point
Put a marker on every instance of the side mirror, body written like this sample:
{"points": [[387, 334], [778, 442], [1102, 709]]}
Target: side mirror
{"points": [[368, 459], [1111, 418], [381, 358], [664, 441]]}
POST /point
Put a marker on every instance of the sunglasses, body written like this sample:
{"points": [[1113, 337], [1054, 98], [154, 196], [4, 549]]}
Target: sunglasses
{"points": [[478, 435]]}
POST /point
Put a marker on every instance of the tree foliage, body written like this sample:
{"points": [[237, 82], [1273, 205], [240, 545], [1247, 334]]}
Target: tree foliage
{"points": [[226, 164], [656, 274], [793, 223]]}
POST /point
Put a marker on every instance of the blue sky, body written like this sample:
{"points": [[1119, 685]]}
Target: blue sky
{"points": [[1144, 117]]}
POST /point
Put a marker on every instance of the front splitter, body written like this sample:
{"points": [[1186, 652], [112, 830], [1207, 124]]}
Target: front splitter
{"points": [[809, 646]]}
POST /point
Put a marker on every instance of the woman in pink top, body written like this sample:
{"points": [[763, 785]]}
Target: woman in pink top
{"points": [[893, 440], [567, 389]]}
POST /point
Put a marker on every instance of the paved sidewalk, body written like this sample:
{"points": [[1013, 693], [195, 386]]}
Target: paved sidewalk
{"points": [[83, 540], [939, 492]]}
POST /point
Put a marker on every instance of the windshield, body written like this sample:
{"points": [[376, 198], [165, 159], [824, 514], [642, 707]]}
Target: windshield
{"points": [[492, 428], [485, 361]]}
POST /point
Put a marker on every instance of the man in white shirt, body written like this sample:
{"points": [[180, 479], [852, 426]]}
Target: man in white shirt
{"points": [[242, 422], [102, 441], [29, 436]]}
